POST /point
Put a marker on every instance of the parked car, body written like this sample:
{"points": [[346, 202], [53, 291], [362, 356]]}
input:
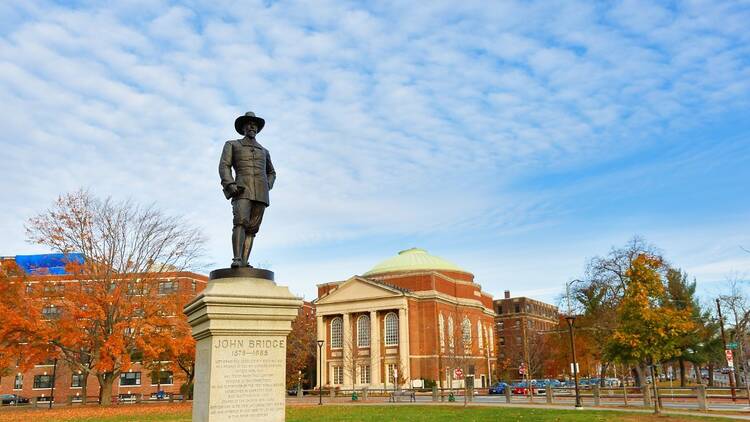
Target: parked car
{"points": [[498, 388], [522, 388], [9, 399]]}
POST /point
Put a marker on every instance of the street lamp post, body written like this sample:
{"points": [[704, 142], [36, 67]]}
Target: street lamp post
{"points": [[571, 320], [299, 384], [320, 371]]}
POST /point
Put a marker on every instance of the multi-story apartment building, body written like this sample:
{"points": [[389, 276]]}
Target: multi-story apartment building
{"points": [[520, 322]]}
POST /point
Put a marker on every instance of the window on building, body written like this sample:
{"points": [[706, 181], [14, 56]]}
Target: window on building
{"points": [[441, 331], [29, 288], [391, 372], [130, 378], [162, 377], [53, 289], [51, 312], [135, 288], [517, 308], [337, 335], [76, 380], [531, 324], [363, 331], [501, 325], [167, 287], [518, 323], [528, 308], [364, 374], [480, 335], [492, 340], [500, 309], [502, 341], [42, 381], [194, 285], [18, 383], [391, 329], [451, 330], [466, 333], [518, 340], [338, 374]]}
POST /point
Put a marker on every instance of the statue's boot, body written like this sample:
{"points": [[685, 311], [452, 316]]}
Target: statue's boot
{"points": [[238, 241], [246, 250]]}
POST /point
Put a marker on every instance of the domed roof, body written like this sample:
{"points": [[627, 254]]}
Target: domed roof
{"points": [[413, 259]]}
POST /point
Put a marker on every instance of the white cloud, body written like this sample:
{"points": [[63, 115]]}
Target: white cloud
{"points": [[382, 121]]}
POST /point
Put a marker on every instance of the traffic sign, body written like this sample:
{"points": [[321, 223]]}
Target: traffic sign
{"points": [[732, 345], [458, 373], [522, 369], [730, 358]]}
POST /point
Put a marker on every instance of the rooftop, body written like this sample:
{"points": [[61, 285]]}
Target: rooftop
{"points": [[413, 259]]}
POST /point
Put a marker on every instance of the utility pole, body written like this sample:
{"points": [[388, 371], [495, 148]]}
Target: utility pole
{"points": [[724, 341]]}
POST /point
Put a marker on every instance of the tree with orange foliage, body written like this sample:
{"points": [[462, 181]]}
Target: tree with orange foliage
{"points": [[301, 347], [124, 298]]}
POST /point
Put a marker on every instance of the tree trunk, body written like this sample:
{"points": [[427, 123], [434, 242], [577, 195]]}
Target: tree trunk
{"points": [[710, 374], [638, 374], [603, 374], [106, 379], [683, 375], [84, 388], [698, 377]]}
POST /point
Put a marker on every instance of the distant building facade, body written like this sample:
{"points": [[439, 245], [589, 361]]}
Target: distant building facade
{"points": [[138, 381], [411, 319], [519, 323]]}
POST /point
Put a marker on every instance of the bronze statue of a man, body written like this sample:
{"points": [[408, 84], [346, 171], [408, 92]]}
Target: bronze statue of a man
{"points": [[248, 189]]}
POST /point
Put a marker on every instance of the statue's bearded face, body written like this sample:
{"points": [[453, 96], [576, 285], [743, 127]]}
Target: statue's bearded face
{"points": [[251, 130]]}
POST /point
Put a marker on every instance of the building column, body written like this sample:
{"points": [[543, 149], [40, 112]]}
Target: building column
{"points": [[349, 344], [374, 348], [403, 343], [321, 367]]}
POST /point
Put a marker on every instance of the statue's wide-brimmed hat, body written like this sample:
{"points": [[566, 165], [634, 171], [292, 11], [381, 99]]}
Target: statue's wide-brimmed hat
{"points": [[241, 121]]}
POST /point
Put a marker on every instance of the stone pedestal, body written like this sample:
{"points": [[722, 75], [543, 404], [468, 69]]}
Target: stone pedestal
{"points": [[240, 323]]}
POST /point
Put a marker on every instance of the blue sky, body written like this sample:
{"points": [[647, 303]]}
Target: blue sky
{"points": [[517, 139]]}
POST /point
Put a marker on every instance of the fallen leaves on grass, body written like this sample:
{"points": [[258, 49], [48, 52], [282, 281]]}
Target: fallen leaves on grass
{"points": [[123, 413]]}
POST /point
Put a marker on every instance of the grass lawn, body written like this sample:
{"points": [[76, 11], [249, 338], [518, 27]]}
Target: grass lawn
{"points": [[181, 412]]}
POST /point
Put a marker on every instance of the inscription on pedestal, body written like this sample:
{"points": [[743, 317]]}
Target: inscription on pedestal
{"points": [[247, 378]]}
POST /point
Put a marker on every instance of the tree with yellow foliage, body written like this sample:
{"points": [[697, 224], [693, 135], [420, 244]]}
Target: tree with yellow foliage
{"points": [[649, 326]]}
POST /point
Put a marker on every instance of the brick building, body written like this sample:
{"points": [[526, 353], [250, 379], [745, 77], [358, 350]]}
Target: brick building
{"points": [[413, 317], [520, 321], [137, 381]]}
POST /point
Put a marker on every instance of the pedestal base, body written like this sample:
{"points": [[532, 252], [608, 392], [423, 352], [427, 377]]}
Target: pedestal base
{"points": [[240, 325]]}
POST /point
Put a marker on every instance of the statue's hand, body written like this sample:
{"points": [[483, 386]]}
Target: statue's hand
{"points": [[232, 190]]}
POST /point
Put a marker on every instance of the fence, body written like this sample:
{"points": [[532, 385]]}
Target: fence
{"points": [[696, 397]]}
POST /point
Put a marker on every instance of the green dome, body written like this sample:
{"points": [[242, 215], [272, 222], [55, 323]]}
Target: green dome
{"points": [[413, 259]]}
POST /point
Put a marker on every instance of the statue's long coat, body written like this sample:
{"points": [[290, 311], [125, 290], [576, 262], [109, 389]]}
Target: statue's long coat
{"points": [[253, 171]]}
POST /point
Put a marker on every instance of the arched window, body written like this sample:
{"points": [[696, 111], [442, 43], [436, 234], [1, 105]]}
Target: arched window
{"points": [[451, 330], [391, 329], [466, 333], [336, 332], [363, 331], [480, 336], [441, 333]]}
